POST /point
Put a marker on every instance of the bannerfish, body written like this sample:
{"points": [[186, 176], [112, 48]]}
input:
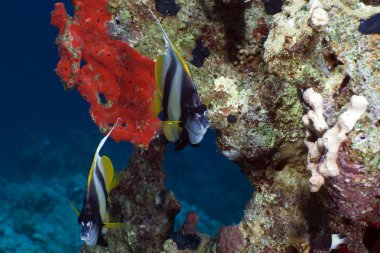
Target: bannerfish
{"points": [[327, 242], [184, 116], [94, 219]]}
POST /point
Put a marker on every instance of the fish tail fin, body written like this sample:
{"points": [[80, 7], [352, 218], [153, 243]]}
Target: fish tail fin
{"points": [[337, 240], [73, 207]]}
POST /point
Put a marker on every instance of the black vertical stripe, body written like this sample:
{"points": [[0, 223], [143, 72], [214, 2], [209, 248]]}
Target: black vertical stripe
{"points": [[167, 87], [189, 95]]}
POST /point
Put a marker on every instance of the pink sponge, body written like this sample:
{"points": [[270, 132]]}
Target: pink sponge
{"points": [[229, 239]]}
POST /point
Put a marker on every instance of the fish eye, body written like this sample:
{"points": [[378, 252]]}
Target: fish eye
{"points": [[202, 109], [192, 113]]}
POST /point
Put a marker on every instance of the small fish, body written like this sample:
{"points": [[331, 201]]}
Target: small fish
{"points": [[184, 116], [327, 242], [94, 219]]}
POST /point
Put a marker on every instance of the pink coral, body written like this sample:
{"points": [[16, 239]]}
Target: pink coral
{"points": [[230, 239]]}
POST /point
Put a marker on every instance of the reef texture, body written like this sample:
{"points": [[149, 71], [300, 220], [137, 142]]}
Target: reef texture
{"points": [[141, 200], [255, 82], [31, 210], [323, 153]]}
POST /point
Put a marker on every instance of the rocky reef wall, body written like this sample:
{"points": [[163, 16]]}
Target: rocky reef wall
{"points": [[264, 56]]}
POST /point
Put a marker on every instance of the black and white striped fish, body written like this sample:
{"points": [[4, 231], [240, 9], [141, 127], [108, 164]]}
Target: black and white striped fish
{"points": [[93, 219], [184, 116]]}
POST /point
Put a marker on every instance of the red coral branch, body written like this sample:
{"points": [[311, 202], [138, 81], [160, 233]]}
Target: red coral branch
{"points": [[115, 79]]}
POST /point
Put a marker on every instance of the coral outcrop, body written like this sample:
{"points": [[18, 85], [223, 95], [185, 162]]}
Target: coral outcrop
{"points": [[141, 200], [323, 152], [256, 83], [114, 78]]}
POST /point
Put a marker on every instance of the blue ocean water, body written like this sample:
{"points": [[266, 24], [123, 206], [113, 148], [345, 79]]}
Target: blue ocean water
{"points": [[48, 140]]}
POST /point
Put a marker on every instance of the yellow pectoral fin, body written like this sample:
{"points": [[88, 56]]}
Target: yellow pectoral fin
{"points": [[172, 130], [73, 206], [112, 179], [116, 225]]}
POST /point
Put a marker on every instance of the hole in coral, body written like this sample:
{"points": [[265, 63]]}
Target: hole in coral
{"points": [[234, 25], [331, 59], [205, 181], [273, 6], [371, 25], [343, 85], [82, 63], [280, 166], [371, 2], [167, 7], [200, 53], [102, 98], [371, 238], [291, 249]]}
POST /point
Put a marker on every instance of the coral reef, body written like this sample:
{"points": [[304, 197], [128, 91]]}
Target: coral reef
{"points": [[323, 152], [205, 224], [34, 215], [187, 237], [109, 74], [262, 61], [150, 211]]}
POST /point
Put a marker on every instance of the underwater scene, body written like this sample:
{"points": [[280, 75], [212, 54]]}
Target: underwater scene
{"points": [[208, 126]]}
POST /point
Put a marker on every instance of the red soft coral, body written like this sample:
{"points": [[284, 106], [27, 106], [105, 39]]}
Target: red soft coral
{"points": [[115, 79]]}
